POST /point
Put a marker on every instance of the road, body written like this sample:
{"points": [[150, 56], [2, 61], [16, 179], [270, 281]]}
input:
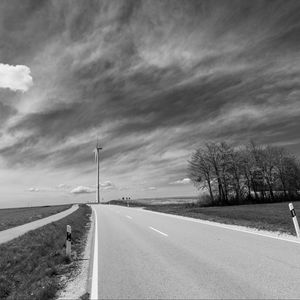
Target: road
{"points": [[143, 255]]}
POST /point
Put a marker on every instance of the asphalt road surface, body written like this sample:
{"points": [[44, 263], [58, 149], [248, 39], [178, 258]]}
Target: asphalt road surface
{"points": [[143, 255]]}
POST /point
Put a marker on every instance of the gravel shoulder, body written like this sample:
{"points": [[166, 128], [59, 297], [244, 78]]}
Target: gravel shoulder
{"points": [[78, 286]]}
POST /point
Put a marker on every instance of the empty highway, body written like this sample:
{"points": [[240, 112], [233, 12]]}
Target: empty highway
{"points": [[144, 255]]}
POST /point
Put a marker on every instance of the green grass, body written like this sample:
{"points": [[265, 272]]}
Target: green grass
{"points": [[11, 217], [271, 216], [32, 265]]}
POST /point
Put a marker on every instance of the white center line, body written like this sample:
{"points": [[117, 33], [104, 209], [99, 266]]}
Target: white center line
{"points": [[129, 217], [158, 231]]}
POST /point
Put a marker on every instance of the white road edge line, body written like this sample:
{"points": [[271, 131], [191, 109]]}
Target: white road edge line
{"points": [[158, 231], [129, 217], [229, 227], [94, 289]]}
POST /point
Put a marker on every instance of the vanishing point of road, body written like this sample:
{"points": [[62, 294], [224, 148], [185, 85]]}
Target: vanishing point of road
{"points": [[144, 255]]}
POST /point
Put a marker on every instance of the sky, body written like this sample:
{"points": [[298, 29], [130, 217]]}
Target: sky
{"points": [[152, 80]]}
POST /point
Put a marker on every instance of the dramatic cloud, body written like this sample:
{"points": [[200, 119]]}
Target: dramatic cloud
{"points": [[151, 79], [15, 77]]}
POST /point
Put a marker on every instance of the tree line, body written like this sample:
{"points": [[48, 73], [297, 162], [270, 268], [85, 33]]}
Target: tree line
{"points": [[249, 173]]}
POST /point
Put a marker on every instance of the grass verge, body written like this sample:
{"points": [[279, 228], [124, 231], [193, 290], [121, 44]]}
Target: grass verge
{"points": [[32, 265], [269, 216], [11, 217]]}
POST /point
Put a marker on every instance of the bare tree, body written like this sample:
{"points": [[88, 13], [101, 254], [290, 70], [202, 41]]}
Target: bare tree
{"points": [[214, 158], [246, 168], [292, 174], [200, 170], [234, 174], [235, 168], [258, 174], [268, 163]]}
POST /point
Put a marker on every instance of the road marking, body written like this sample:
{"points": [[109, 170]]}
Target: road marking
{"points": [[129, 217], [94, 290], [158, 231], [229, 227]]}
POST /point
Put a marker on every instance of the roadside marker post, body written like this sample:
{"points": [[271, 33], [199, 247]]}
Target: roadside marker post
{"points": [[68, 241], [294, 217]]}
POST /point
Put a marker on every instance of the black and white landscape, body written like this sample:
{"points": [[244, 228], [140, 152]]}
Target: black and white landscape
{"points": [[195, 106], [153, 80]]}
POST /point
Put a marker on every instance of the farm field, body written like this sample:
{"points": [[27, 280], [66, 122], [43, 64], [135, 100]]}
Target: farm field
{"points": [[11, 217]]}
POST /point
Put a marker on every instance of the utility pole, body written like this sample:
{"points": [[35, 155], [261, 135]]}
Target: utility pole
{"points": [[97, 151]]}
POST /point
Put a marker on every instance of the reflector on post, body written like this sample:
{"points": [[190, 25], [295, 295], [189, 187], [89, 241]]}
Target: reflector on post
{"points": [[68, 241], [294, 217]]}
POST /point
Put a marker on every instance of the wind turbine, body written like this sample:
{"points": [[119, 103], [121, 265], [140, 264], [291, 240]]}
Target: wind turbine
{"points": [[97, 158]]}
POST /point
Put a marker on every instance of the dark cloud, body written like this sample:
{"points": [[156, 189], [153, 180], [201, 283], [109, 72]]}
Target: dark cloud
{"points": [[148, 76]]}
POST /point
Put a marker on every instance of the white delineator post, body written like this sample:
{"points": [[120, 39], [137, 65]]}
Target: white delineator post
{"points": [[294, 217], [68, 241]]}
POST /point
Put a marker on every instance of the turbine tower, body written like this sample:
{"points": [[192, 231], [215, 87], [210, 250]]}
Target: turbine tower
{"points": [[97, 158]]}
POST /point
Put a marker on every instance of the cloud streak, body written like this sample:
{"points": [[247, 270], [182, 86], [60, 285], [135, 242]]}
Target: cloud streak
{"points": [[152, 80]]}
